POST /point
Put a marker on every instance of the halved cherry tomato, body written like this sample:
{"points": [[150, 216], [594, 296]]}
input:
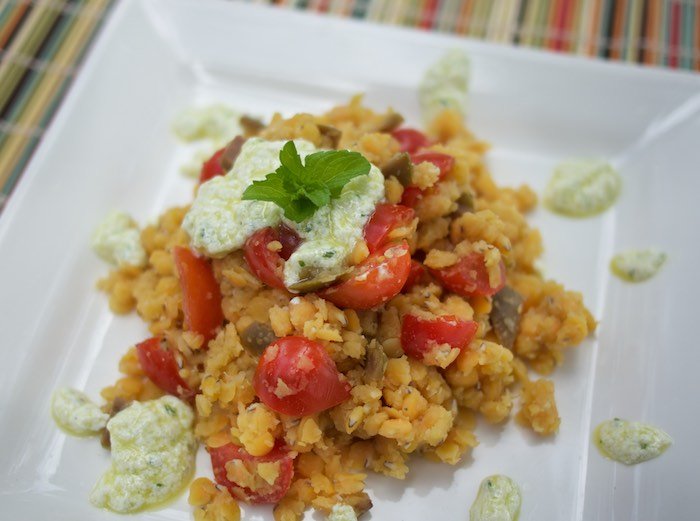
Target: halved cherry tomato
{"points": [[385, 219], [289, 239], [266, 493], [421, 336], [411, 196], [212, 167], [410, 139], [375, 280], [444, 162], [201, 296], [295, 376], [414, 276], [469, 277], [159, 364], [266, 265]]}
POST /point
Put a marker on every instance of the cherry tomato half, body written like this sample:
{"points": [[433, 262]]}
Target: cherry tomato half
{"points": [[421, 338], [410, 139], [212, 167], [375, 280], [415, 275], [385, 219], [266, 493], [266, 265], [469, 277], [201, 296], [159, 364], [411, 196], [295, 376], [444, 162]]}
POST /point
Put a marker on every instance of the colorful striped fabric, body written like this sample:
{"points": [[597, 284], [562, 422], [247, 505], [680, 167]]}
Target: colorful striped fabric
{"points": [[42, 43]]}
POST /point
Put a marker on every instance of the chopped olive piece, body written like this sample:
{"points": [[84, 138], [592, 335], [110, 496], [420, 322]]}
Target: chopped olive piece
{"points": [[399, 166], [375, 363], [228, 157], [330, 136], [256, 337], [505, 315], [389, 122], [251, 126], [118, 405], [465, 204]]}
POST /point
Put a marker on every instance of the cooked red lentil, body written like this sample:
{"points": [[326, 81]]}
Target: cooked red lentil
{"points": [[406, 396]]}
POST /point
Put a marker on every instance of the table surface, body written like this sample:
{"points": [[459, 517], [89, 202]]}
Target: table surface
{"points": [[43, 42]]}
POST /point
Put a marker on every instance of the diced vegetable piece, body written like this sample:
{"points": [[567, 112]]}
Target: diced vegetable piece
{"points": [[410, 139], [256, 337], [159, 364], [505, 315], [436, 341], [385, 219], [201, 296], [230, 154], [401, 167], [469, 277]]}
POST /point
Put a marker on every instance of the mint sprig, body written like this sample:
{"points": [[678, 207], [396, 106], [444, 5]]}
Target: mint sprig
{"points": [[302, 188]]}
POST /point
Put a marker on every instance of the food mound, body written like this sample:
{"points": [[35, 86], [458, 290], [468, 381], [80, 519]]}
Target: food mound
{"points": [[305, 377]]}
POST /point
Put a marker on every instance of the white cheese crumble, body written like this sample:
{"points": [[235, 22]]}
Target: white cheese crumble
{"points": [[581, 188], [74, 412], [630, 442], [218, 123], [498, 499], [117, 240], [637, 265], [219, 221], [445, 85], [153, 449], [341, 512]]}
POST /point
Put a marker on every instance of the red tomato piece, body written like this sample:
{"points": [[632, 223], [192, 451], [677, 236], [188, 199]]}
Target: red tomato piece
{"points": [[201, 296], [414, 276], [385, 219], [469, 277], [289, 239], [410, 139], [411, 196], [295, 376], [159, 364], [444, 162], [375, 280], [422, 338], [266, 493], [212, 167], [266, 265]]}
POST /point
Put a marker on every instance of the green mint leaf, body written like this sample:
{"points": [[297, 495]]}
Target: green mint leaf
{"points": [[291, 160], [302, 188], [335, 168]]}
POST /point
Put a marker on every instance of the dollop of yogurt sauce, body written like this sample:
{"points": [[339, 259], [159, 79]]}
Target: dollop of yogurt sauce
{"points": [[580, 188], [445, 85], [637, 265], [498, 499], [153, 450], [212, 125], [220, 222], [117, 240], [74, 412], [630, 442]]}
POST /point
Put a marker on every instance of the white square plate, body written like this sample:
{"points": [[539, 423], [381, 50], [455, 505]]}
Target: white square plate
{"points": [[111, 147]]}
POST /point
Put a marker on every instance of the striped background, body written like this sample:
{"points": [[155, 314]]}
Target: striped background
{"points": [[42, 43]]}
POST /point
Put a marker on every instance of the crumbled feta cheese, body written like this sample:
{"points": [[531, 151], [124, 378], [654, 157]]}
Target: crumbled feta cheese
{"points": [[341, 512], [637, 265], [498, 499], [445, 85], [218, 123], [117, 240], [581, 188], [630, 442], [153, 450], [76, 413]]}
